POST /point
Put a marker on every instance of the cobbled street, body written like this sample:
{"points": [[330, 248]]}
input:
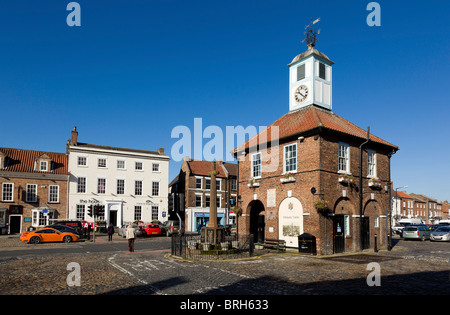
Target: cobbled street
{"points": [[410, 268]]}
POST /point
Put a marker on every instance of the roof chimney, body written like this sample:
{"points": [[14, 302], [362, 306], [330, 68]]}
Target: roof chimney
{"points": [[161, 151], [74, 136]]}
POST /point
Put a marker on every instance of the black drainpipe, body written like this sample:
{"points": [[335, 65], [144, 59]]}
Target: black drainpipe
{"points": [[361, 228]]}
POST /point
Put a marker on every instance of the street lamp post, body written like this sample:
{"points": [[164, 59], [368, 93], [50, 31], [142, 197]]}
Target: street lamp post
{"points": [[390, 217]]}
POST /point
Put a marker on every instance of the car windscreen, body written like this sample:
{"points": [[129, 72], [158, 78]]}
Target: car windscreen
{"points": [[443, 229], [411, 228]]}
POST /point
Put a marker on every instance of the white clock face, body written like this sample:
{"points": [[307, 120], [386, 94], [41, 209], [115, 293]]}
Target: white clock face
{"points": [[301, 93]]}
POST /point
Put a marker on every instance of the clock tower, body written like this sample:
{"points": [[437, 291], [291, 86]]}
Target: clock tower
{"points": [[310, 76]]}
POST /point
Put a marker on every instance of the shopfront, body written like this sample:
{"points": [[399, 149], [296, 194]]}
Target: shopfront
{"points": [[198, 218]]}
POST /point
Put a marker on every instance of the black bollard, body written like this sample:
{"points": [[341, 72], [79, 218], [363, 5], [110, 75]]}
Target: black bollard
{"points": [[375, 248]]}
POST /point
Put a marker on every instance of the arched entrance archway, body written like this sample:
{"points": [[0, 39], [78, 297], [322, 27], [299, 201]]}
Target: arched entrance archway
{"points": [[257, 221], [342, 220]]}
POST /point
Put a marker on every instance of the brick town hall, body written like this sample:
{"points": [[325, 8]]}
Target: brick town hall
{"points": [[317, 187]]}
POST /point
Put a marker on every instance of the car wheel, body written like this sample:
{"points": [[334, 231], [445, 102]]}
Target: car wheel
{"points": [[67, 239], [35, 240], [422, 238]]}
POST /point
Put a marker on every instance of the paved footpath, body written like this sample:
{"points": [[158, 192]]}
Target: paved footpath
{"points": [[411, 268]]}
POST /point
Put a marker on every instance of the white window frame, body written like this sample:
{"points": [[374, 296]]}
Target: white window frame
{"points": [[155, 210], [158, 187], [122, 181], [285, 158], [98, 185], [121, 165], [12, 192], [51, 194], [201, 200], [345, 157], [233, 184], [32, 194], [141, 188], [371, 163], [81, 187], [39, 217], [258, 173], [45, 164], [137, 213], [201, 182], [218, 182], [80, 159], [78, 209], [136, 166], [100, 165], [158, 168]]}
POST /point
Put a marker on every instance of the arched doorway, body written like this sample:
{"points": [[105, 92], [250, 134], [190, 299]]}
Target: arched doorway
{"points": [[257, 221], [290, 221], [342, 220]]}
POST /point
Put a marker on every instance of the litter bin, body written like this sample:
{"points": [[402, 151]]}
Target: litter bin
{"points": [[307, 244]]}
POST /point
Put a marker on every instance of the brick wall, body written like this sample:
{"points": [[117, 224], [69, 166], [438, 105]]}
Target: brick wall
{"points": [[19, 196], [317, 166]]}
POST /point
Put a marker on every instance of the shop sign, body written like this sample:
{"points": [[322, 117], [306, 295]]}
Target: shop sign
{"points": [[14, 209]]}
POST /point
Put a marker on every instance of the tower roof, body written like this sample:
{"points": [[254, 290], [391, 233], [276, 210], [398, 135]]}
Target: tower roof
{"points": [[311, 51]]}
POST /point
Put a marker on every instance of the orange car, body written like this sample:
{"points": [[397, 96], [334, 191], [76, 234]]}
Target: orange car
{"points": [[48, 235]]}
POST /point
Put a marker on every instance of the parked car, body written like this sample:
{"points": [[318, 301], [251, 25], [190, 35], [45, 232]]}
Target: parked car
{"points": [[76, 225], [442, 233], [398, 229], [48, 235], [172, 227], [153, 229], [416, 232], [63, 228], [123, 230]]}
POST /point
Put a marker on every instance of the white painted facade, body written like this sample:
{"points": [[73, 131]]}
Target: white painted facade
{"points": [[131, 184]]}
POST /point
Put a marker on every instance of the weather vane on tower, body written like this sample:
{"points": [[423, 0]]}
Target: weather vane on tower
{"points": [[311, 33]]}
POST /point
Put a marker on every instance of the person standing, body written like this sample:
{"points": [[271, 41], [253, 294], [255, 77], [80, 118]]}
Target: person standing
{"points": [[131, 235], [89, 232], [110, 232]]}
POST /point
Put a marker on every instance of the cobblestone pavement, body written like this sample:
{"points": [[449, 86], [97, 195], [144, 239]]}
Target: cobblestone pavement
{"points": [[411, 268]]}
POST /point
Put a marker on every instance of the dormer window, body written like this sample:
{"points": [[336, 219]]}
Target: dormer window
{"points": [[43, 166], [2, 160], [43, 163]]}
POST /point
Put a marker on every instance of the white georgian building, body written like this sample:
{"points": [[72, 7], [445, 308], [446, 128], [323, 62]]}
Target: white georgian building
{"points": [[132, 184]]}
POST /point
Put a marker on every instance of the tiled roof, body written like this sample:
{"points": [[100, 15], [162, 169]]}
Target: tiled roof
{"points": [[232, 168], [18, 160], [403, 195], [312, 117], [203, 168]]}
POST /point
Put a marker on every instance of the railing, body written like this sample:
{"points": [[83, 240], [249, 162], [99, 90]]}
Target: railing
{"points": [[233, 247]]}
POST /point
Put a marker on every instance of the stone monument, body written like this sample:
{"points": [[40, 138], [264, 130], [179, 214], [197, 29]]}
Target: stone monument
{"points": [[212, 233]]}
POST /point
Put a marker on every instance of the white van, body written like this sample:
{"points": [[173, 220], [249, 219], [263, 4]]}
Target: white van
{"points": [[444, 222], [410, 221]]}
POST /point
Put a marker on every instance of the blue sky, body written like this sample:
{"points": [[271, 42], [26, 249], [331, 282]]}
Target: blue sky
{"points": [[136, 69]]}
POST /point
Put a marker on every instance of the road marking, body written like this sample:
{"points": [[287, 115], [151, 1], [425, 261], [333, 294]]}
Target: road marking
{"points": [[152, 288]]}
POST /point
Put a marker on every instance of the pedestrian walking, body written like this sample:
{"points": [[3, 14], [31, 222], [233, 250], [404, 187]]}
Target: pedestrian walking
{"points": [[89, 231], [131, 235], [110, 232]]}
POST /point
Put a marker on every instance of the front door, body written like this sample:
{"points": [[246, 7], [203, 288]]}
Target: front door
{"points": [[15, 224], [338, 232], [113, 217], [261, 228], [366, 233]]}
